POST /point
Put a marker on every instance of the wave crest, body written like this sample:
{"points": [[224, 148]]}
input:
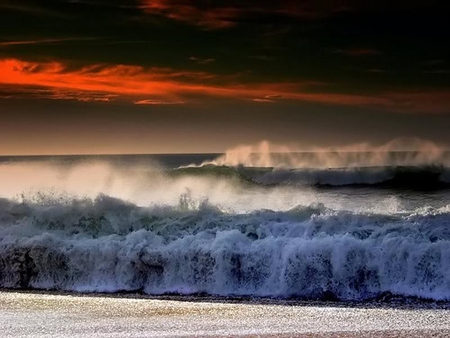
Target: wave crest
{"points": [[422, 178]]}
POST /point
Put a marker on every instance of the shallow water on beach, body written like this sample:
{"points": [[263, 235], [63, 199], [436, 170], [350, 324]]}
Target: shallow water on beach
{"points": [[42, 315]]}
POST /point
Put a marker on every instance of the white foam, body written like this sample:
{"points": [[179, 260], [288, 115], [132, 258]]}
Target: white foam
{"points": [[108, 245]]}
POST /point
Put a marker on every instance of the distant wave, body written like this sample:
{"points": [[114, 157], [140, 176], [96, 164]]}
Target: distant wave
{"points": [[420, 177], [313, 252]]}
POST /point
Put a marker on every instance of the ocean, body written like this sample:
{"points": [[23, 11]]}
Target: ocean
{"points": [[348, 227]]}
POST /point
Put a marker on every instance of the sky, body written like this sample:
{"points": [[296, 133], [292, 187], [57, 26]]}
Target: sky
{"points": [[179, 76]]}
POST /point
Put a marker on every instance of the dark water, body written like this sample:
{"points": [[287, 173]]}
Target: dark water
{"points": [[170, 161]]}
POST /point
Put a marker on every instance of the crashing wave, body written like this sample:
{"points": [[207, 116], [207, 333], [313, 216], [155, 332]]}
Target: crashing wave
{"points": [[312, 252], [422, 178]]}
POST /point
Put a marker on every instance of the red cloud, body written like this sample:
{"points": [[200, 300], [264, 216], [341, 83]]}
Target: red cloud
{"points": [[153, 86]]}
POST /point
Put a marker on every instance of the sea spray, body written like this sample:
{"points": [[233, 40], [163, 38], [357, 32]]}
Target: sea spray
{"points": [[398, 152]]}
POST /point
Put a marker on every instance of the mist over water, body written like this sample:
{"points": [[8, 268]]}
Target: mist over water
{"points": [[331, 225], [399, 152]]}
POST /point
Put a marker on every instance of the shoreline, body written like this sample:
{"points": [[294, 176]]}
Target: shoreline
{"points": [[50, 314], [394, 302]]}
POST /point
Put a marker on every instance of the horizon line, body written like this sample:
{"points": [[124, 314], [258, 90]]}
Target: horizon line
{"points": [[212, 153]]}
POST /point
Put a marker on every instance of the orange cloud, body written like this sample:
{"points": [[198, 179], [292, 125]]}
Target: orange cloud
{"points": [[152, 86], [161, 84], [118, 79]]}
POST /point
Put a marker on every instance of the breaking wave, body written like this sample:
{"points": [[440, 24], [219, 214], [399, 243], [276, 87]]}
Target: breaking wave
{"points": [[244, 224], [420, 165], [313, 251], [422, 178]]}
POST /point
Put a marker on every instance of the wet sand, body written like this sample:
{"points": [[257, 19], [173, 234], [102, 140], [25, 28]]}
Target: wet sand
{"points": [[29, 314]]}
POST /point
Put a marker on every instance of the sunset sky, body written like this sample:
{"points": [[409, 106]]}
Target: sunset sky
{"points": [[175, 76]]}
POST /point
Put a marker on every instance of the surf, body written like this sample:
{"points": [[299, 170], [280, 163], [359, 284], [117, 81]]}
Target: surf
{"points": [[230, 229], [309, 252]]}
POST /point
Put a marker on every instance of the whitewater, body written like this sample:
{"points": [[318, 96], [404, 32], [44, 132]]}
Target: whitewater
{"points": [[362, 226]]}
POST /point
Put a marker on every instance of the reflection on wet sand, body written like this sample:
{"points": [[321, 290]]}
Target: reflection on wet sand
{"points": [[26, 314]]}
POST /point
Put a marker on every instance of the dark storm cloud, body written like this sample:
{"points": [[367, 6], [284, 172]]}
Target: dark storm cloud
{"points": [[296, 36]]}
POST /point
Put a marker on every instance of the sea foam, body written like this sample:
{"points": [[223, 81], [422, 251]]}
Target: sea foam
{"points": [[312, 252]]}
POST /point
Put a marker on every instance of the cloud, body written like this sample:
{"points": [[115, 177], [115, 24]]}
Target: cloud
{"points": [[151, 86], [31, 7], [40, 41], [156, 102], [201, 61], [190, 13], [263, 100], [225, 14], [219, 15], [267, 99], [112, 79]]}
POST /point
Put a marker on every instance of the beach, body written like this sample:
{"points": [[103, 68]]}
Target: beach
{"points": [[39, 314]]}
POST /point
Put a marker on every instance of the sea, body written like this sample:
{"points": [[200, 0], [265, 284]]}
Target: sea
{"points": [[214, 224], [336, 228]]}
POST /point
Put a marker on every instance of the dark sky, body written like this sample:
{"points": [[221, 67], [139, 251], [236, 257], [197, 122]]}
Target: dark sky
{"points": [[156, 76]]}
